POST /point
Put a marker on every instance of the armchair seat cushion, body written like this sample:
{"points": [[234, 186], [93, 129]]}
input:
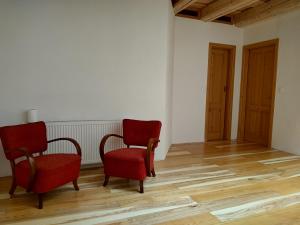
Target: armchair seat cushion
{"points": [[51, 171], [127, 163]]}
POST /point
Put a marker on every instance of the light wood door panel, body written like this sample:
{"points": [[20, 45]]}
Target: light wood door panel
{"points": [[259, 84], [217, 94], [218, 83]]}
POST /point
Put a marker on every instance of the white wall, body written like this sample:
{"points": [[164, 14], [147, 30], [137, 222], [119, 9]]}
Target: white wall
{"points": [[169, 78], [86, 60], [286, 125], [192, 38]]}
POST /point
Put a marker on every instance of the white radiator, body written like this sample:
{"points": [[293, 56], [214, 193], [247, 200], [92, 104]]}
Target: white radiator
{"points": [[87, 133]]}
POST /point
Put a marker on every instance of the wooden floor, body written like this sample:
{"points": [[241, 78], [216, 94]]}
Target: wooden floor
{"points": [[205, 184]]}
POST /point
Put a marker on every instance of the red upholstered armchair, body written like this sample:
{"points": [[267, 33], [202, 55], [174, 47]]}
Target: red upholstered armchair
{"points": [[42, 173], [132, 162]]}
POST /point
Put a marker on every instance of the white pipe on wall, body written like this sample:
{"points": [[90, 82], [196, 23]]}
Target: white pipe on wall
{"points": [[32, 115]]}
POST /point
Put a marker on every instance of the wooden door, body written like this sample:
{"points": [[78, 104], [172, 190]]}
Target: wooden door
{"points": [[219, 92], [259, 80]]}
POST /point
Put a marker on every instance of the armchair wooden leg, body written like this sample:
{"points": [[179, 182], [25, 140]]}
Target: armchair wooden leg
{"points": [[40, 201], [12, 188], [153, 173], [106, 180], [141, 186], [75, 184]]}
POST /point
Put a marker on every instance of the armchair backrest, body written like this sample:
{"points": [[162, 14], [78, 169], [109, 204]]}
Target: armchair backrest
{"points": [[138, 132], [32, 136]]}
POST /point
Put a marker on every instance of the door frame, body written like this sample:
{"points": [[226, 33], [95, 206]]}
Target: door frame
{"points": [[243, 89], [230, 86]]}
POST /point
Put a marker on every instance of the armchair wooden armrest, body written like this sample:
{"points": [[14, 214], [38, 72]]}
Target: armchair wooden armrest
{"points": [[151, 144], [32, 165], [73, 141], [103, 142]]}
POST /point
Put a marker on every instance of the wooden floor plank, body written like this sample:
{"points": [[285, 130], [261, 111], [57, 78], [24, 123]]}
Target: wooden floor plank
{"points": [[211, 184]]}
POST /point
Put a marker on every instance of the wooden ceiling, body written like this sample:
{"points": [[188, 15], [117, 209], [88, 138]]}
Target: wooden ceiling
{"points": [[238, 12]]}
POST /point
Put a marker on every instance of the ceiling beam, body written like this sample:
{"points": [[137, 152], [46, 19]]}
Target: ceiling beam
{"points": [[264, 11], [221, 8], [182, 4]]}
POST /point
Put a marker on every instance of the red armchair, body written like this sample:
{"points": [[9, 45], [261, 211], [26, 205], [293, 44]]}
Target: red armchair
{"points": [[132, 162], [41, 173]]}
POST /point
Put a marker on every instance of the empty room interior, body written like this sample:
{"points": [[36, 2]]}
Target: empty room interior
{"points": [[150, 112]]}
